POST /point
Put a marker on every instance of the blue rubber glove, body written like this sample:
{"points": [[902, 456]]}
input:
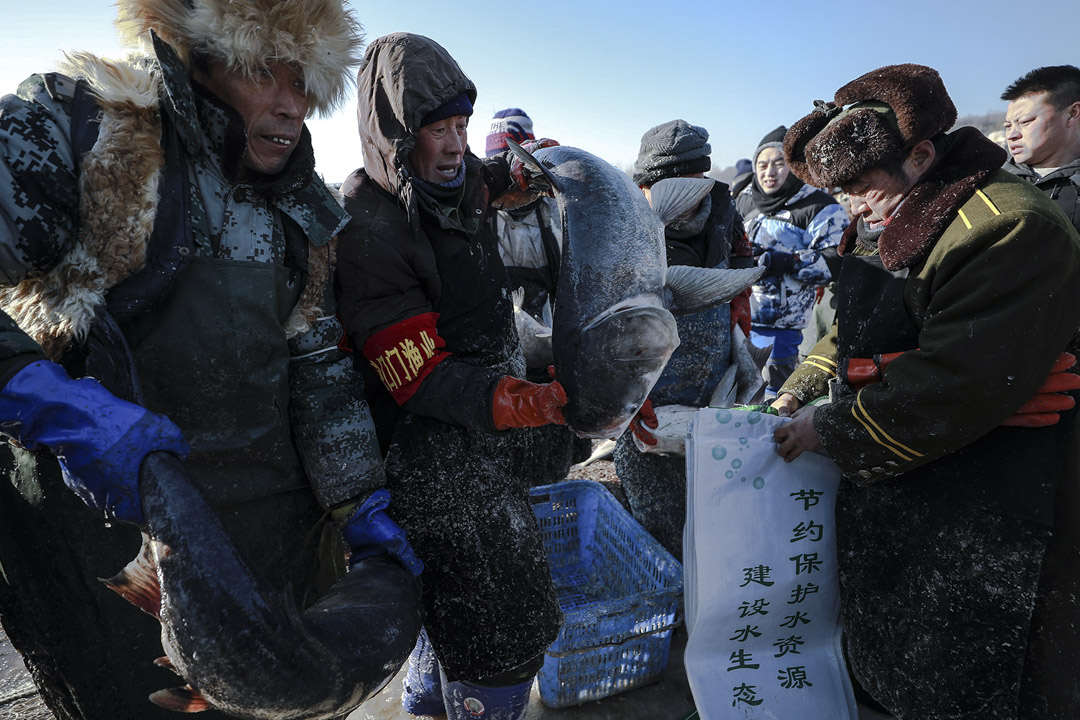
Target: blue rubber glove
{"points": [[370, 532], [778, 262], [99, 439]]}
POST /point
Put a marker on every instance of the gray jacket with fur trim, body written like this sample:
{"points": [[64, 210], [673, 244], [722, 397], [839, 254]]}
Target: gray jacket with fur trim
{"points": [[81, 233]]}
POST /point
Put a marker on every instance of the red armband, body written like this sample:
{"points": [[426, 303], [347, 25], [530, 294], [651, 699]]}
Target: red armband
{"points": [[406, 353]]}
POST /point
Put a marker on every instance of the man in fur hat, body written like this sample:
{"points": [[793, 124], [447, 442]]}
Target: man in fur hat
{"points": [[956, 297], [163, 231]]}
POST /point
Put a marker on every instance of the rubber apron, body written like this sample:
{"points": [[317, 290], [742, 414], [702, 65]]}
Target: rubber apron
{"points": [[214, 358]]}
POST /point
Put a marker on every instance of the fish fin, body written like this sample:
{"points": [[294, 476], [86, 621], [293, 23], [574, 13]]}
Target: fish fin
{"points": [[750, 385], [165, 662], [760, 355], [551, 184], [184, 699], [605, 450], [724, 394], [694, 289], [671, 198], [138, 581]]}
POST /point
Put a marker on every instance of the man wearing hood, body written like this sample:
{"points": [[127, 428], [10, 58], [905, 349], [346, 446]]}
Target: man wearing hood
{"points": [[955, 519], [1042, 133], [164, 232], [427, 308], [794, 229]]}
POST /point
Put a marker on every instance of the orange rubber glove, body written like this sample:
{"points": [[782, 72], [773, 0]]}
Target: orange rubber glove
{"points": [[646, 416], [517, 168], [520, 404], [740, 311], [1045, 405]]}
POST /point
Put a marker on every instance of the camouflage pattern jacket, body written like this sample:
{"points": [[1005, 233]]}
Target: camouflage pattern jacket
{"points": [[116, 226], [810, 222]]}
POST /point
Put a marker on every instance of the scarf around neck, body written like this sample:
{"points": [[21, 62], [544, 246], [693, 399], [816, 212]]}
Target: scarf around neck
{"points": [[774, 203]]}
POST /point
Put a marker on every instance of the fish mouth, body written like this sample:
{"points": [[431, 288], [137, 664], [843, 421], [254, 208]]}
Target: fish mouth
{"points": [[635, 332]]}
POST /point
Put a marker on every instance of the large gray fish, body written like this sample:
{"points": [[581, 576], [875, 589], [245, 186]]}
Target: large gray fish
{"points": [[244, 648], [613, 328]]}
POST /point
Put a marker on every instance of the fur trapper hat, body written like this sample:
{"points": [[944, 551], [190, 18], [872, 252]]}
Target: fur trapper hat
{"points": [[870, 122], [321, 37]]}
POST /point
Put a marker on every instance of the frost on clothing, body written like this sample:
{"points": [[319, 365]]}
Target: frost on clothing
{"points": [[810, 222], [456, 482], [942, 508], [271, 408]]}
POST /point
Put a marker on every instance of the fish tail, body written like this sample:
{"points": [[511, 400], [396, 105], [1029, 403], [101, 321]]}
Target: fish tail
{"points": [[184, 699], [138, 581]]}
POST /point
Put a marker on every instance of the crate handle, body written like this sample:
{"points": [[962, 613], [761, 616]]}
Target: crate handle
{"points": [[576, 651]]}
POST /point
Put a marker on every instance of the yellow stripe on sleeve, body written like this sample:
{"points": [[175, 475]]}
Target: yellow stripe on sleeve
{"points": [[830, 371], [870, 420], [964, 218], [993, 208], [822, 358], [873, 435]]}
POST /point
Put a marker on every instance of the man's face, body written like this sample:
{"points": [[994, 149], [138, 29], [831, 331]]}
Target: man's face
{"points": [[273, 105], [771, 170], [875, 194], [440, 149], [1038, 134]]}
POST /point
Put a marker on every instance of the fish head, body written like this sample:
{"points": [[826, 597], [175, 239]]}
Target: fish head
{"points": [[609, 367]]}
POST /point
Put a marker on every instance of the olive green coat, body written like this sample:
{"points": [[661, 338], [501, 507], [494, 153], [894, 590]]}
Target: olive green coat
{"points": [[954, 569]]}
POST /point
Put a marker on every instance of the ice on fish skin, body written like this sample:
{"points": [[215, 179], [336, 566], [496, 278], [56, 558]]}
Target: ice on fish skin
{"points": [[279, 663], [613, 330]]}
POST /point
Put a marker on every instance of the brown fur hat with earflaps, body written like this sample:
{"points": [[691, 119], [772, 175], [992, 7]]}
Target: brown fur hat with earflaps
{"points": [[870, 122], [321, 37]]}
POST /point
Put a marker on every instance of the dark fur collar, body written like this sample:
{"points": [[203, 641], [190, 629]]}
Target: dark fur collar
{"points": [[968, 159]]}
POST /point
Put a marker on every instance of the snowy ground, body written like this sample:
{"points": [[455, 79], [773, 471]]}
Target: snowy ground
{"points": [[669, 699]]}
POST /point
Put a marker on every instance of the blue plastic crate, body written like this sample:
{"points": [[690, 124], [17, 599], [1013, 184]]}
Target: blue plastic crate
{"points": [[618, 589]]}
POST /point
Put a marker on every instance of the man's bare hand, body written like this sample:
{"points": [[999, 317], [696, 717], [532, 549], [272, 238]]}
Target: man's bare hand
{"points": [[798, 436], [785, 405]]}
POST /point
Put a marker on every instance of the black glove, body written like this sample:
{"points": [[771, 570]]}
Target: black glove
{"points": [[778, 262]]}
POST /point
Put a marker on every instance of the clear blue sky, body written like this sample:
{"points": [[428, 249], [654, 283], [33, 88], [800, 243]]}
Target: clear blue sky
{"points": [[597, 73]]}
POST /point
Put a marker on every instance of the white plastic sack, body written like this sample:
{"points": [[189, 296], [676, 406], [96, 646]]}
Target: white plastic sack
{"points": [[760, 577]]}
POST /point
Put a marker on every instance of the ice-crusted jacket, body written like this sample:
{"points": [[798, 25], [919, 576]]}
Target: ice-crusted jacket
{"points": [[1062, 185], [426, 305], [810, 222], [93, 231], [120, 190], [942, 510]]}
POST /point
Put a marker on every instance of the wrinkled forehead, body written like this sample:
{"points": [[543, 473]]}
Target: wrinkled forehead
{"points": [[1030, 104]]}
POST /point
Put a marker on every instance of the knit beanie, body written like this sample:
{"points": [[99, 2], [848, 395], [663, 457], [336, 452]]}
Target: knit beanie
{"points": [[510, 123], [774, 139], [872, 121], [670, 150], [460, 104]]}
